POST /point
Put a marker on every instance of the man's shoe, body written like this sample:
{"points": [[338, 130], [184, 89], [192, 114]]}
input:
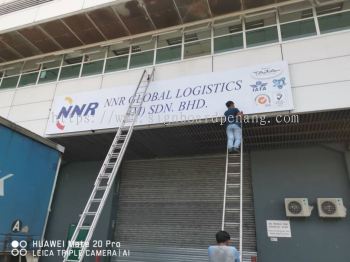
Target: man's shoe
{"points": [[236, 150]]}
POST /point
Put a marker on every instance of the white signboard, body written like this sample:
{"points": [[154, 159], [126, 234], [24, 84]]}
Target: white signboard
{"points": [[278, 228], [258, 89]]}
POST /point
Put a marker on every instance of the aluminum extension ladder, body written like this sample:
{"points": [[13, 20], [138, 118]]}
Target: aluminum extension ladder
{"points": [[104, 181], [232, 213]]}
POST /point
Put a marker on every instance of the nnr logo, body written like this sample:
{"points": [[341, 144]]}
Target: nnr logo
{"points": [[72, 110]]}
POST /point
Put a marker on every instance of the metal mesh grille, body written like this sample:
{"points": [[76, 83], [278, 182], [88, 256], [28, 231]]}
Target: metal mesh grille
{"points": [[170, 209]]}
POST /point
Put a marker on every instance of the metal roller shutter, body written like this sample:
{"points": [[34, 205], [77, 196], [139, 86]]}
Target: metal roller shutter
{"points": [[170, 209]]}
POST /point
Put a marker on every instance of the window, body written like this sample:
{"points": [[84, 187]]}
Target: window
{"points": [[334, 22], [296, 24], [28, 79], [93, 62], [261, 30], [71, 66], [9, 82], [30, 72], [118, 56], [169, 47], [49, 75], [116, 63], [50, 70], [197, 43], [11, 76], [142, 52], [228, 36]]}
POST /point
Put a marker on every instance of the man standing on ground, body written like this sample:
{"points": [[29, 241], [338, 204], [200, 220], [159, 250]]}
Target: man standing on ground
{"points": [[233, 127], [223, 252]]}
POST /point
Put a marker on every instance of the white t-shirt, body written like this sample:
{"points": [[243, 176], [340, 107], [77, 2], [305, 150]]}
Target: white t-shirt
{"points": [[223, 254]]}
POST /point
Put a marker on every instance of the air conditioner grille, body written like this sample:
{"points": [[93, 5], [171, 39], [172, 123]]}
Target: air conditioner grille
{"points": [[294, 207], [328, 207]]}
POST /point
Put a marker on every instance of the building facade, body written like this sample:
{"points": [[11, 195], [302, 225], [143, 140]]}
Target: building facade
{"points": [[167, 202]]}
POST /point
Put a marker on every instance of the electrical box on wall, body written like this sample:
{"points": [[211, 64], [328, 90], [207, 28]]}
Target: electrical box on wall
{"points": [[297, 207], [331, 207]]}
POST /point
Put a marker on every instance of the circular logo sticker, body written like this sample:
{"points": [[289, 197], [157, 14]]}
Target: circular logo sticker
{"points": [[263, 100]]}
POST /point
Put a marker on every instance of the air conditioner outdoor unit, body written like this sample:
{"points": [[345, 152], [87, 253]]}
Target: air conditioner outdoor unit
{"points": [[331, 207], [297, 207]]}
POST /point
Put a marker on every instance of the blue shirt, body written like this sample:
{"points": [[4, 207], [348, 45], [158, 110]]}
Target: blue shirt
{"points": [[231, 116], [223, 254]]}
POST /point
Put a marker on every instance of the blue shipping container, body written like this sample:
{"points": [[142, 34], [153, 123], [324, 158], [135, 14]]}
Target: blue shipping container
{"points": [[28, 171]]}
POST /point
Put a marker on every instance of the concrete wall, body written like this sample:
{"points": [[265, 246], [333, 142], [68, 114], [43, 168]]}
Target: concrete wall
{"points": [[74, 185], [301, 172], [319, 69]]}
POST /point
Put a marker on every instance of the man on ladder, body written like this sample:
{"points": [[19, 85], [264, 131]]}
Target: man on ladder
{"points": [[233, 127], [232, 213]]}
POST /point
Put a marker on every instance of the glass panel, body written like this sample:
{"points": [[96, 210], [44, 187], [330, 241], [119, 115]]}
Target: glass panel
{"points": [[331, 23], [170, 39], [31, 65], [48, 75], [28, 79], [197, 35], [118, 50], [169, 54], [9, 82], [261, 20], [228, 28], [262, 36], [292, 16], [227, 43], [94, 55], [71, 59], [143, 44], [328, 9], [52, 63], [198, 48], [193, 10], [141, 59], [92, 68], [68, 72], [116, 64], [298, 29], [14, 69]]}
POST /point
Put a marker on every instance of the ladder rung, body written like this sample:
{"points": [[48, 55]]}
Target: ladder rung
{"points": [[90, 213], [234, 164], [231, 174], [233, 185], [233, 197], [232, 210], [232, 223], [234, 239], [109, 165], [85, 227], [104, 176], [96, 200], [114, 155], [101, 188]]}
